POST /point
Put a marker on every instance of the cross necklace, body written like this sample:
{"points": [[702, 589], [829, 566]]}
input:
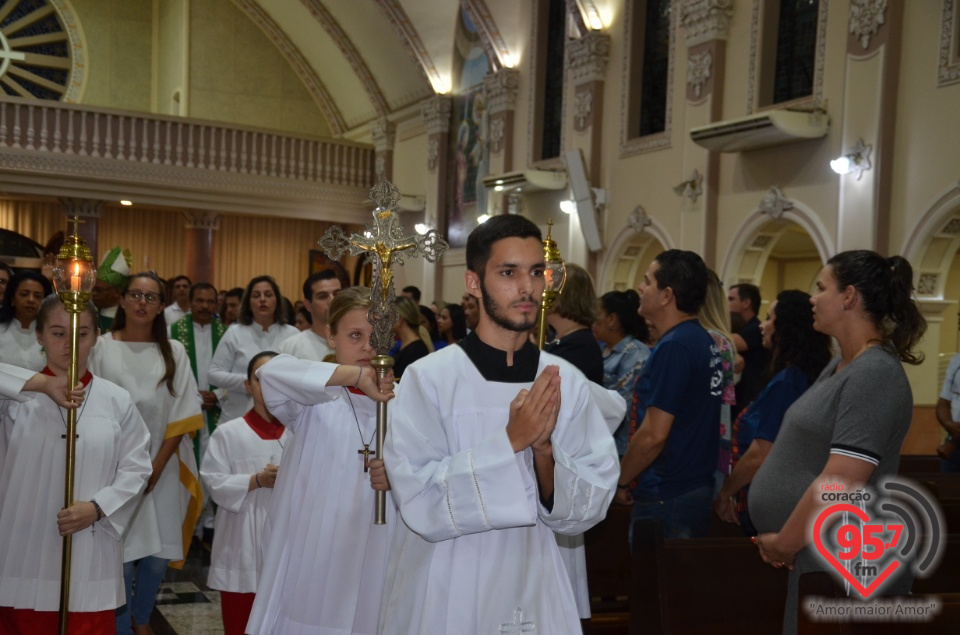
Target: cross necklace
{"points": [[366, 451], [79, 414]]}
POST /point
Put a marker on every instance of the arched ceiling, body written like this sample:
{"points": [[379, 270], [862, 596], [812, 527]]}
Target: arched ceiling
{"points": [[364, 59]]}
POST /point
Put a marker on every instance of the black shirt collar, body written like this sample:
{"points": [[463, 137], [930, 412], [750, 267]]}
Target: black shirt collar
{"points": [[492, 362]]}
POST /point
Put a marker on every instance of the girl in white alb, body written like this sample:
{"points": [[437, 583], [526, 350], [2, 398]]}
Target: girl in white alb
{"points": [[324, 560], [239, 469], [111, 470]]}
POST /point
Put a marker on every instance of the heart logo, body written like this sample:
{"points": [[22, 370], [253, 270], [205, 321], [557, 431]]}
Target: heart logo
{"points": [[824, 550]]}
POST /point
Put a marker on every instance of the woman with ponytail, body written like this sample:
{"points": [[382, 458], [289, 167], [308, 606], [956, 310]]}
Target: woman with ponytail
{"points": [[414, 339], [847, 429]]}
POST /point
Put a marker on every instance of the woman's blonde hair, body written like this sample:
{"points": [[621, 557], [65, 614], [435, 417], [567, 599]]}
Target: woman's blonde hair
{"points": [[347, 300], [409, 312], [714, 315]]}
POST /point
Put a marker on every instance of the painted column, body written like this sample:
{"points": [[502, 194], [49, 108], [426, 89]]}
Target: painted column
{"points": [[436, 115], [384, 134], [586, 62], [500, 95], [200, 251], [706, 24], [869, 115]]}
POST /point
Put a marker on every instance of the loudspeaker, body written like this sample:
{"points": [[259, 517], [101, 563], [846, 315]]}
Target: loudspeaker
{"points": [[583, 196]]}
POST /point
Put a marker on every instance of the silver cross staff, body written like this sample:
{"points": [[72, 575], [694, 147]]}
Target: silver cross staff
{"points": [[383, 244]]}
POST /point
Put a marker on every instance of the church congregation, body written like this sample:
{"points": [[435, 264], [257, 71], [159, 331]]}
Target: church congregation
{"points": [[469, 317]]}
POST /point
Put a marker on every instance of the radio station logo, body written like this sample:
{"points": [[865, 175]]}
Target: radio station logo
{"points": [[871, 539]]}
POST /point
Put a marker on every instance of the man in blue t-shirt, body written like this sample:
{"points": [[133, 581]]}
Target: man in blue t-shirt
{"points": [[673, 453]]}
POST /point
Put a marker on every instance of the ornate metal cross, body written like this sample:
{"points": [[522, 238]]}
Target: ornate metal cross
{"points": [[383, 244]]}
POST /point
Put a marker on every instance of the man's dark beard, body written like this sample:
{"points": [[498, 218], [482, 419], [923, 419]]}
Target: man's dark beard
{"points": [[491, 307]]}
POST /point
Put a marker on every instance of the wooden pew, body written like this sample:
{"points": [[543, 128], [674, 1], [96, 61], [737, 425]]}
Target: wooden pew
{"points": [[720, 585], [708, 585], [608, 573], [919, 463], [946, 489]]}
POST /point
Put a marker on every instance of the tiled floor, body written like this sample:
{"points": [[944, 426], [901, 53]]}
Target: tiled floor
{"points": [[185, 606]]}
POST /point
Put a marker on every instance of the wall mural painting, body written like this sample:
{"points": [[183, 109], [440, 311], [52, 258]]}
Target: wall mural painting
{"points": [[470, 152]]}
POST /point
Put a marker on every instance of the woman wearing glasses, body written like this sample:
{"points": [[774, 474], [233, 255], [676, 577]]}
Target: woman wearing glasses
{"points": [[137, 355]]}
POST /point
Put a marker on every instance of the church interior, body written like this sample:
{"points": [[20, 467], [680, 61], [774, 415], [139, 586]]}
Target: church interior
{"points": [[222, 138]]}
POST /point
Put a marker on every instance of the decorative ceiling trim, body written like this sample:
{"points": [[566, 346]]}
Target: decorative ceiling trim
{"points": [[301, 66], [350, 52], [573, 10], [706, 20], [497, 51], [411, 40], [948, 71]]}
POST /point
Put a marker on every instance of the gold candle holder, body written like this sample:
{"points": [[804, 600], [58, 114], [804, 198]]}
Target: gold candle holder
{"points": [[73, 279], [555, 275]]}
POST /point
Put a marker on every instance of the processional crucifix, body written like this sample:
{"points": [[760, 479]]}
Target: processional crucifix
{"points": [[383, 244]]}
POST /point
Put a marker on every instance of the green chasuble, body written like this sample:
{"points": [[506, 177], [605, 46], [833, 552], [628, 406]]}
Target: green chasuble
{"points": [[182, 331]]}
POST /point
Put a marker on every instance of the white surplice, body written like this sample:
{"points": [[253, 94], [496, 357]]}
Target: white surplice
{"points": [[158, 527], [572, 549], [19, 346], [306, 345], [228, 368], [235, 453], [476, 552], [323, 558], [112, 467]]}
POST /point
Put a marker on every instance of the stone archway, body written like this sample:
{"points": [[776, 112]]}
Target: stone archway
{"points": [[933, 244], [634, 248], [932, 250], [751, 247]]}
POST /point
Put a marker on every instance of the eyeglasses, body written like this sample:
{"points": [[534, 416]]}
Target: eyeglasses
{"points": [[149, 298]]}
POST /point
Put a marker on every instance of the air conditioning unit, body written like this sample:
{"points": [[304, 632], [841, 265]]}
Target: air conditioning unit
{"points": [[526, 181], [770, 128]]}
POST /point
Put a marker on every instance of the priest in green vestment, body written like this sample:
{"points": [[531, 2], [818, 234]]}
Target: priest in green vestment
{"points": [[200, 332], [111, 277]]}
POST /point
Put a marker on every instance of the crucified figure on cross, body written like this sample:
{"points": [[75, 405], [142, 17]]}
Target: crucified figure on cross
{"points": [[383, 244]]}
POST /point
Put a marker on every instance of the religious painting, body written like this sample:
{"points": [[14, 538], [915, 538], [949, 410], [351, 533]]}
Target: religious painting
{"points": [[319, 261], [469, 147]]}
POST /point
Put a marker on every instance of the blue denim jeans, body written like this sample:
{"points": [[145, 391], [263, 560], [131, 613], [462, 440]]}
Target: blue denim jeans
{"points": [[142, 579], [685, 516]]}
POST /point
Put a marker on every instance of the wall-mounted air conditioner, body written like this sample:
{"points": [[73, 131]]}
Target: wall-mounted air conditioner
{"points": [[526, 181], [770, 128]]}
